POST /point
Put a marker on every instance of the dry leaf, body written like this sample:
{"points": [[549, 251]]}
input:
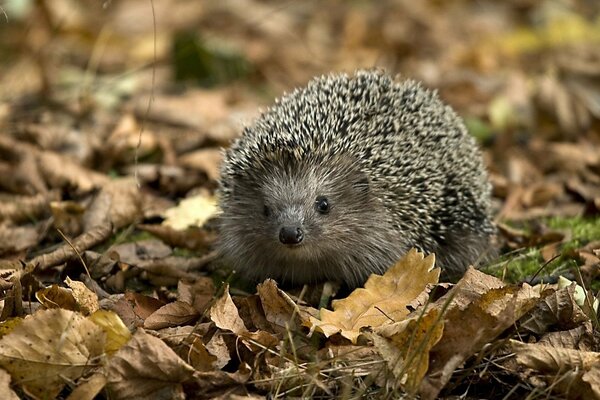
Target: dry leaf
{"points": [[405, 346], [57, 297], [87, 301], [146, 368], [191, 211], [7, 392], [476, 314], [49, 349], [383, 300], [117, 333], [578, 370], [172, 314], [225, 314]]}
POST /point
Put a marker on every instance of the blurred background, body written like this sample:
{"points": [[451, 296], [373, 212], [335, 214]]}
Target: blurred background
{"points": [[82, 79]]}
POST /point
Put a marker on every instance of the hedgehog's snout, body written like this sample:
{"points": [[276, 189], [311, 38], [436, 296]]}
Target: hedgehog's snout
{"points": [[291, 235]]}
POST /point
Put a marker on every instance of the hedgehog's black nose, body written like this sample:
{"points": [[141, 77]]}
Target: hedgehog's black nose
{"points": [[291, 235]]}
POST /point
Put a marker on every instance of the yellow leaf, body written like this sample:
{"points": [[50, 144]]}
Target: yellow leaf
{"points": [[383, 300], [193, 211], [405, 346], [117, 333]]}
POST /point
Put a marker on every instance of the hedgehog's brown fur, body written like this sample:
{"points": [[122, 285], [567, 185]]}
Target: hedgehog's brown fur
{"points": [[397, 167]]}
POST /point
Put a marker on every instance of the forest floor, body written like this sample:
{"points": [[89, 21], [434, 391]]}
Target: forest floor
{"points": [[113, 116]]}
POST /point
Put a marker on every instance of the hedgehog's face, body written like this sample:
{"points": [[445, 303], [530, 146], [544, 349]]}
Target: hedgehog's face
{"points": [[298, 223]]}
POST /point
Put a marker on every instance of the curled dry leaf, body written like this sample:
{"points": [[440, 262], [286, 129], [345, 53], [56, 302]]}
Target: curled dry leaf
{"points": [[49, 349], [87, 301], [556, 310], [146, 368], [225, 315], [383, 299], [56, 297], [578, 370]]}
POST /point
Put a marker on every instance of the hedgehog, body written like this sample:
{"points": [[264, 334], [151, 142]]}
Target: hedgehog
{"points": [[338, 179]]}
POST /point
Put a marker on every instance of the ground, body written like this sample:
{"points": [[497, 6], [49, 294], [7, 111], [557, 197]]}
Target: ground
{"points": [[112, 119]]}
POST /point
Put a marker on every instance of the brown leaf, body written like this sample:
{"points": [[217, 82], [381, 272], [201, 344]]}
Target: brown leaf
{"points": [[557, 310], [279, 308], [146, 368], [57, 297], [476, 314], [49, 349], [225, 314], [118, 203], [172, 314], [577, 369]]}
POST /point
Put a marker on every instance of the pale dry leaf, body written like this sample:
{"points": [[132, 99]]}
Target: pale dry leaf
{"points": [[89, 388], [86, 300], [49, 349], [146, 368], [7, 392], [546, 359], [225, 314], [191, 211], [405, 346], [217, 347], [383, 299]]}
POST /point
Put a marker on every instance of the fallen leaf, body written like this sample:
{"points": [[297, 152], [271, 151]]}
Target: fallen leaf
{"points": [[191, 211], [146, 368], [383, 299], [405, 346], [172, 314], [7, 392], [50, 349], [117, 333], [87, 301]]}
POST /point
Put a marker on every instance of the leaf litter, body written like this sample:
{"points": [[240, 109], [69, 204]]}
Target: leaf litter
{"points": [[109, 285]]}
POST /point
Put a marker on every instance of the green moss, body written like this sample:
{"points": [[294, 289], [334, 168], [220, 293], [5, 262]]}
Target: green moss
{"points": [[524, 263], [582, 229]]}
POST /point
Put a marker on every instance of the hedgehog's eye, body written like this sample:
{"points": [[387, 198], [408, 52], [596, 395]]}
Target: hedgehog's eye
{"points": [[322, 205], [266, 211]]}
